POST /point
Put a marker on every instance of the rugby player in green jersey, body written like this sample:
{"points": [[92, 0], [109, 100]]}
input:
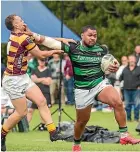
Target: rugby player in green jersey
{"points": [[90, 82]]}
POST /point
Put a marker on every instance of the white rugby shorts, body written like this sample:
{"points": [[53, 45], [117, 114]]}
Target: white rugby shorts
{"points": [[16, 86], [84, 98]]}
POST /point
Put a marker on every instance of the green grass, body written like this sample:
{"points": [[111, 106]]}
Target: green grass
{"points": [[39, 141]]}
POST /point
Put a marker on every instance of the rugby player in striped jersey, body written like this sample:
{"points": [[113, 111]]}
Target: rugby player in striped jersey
{"points": [[17, 83]]}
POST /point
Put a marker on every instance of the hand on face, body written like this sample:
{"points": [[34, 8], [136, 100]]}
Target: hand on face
{"points": [[27, 30]]}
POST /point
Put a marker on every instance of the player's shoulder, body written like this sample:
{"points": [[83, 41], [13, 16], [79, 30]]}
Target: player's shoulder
{"points": [[26, 38], [74, 45], [18, 38], [104, 47]]}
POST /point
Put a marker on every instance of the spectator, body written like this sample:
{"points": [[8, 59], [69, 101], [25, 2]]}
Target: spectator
{"points": [[137, 54], [131, 77], [32, 64], [124, 63], [54, 65], [119, 85], [69, 80], [2, 67], [42, 77]]}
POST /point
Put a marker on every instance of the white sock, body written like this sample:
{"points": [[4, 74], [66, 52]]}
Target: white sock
{"points": [[123, 134]]}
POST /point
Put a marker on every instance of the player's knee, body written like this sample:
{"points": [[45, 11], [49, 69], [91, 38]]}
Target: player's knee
{"points": [[117, 103], [23, 113], [42, 102], [83, 121]]}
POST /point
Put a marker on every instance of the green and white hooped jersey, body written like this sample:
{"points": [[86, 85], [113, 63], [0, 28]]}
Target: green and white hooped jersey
{"points": [[86, 63]]}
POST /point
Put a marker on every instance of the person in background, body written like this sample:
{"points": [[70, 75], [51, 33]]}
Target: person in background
{"points": [[131, 78], [69, 80], [124, 63], [54, 65], [42, 77], [137, 54], [118, 84], [3, 67], [32, 64]]}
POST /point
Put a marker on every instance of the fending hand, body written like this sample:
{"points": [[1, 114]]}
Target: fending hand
{"points": [[27, 31], [66, 41]]}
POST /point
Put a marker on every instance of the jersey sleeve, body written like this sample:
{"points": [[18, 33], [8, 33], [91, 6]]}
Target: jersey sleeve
{"points": [[28, 43], [69, 48], [65, 47]]}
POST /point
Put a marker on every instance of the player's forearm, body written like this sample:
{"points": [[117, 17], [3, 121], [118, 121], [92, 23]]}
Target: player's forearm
{"points": [[45, 54], [60, 39], [48, 41]]}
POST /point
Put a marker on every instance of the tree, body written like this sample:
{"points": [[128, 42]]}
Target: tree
{"points": [[117, 23]]}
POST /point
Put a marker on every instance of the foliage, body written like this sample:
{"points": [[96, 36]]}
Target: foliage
{"points": [[117, 22]]}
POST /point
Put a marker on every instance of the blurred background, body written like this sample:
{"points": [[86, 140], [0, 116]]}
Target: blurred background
{"points": [[117, 23]]}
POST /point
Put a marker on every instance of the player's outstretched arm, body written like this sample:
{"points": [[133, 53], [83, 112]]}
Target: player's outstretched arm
{"points": [[53, 43], [44, 54], [50, 42], [45, 40], [65, 40]]}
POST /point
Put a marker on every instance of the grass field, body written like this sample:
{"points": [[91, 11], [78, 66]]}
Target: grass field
{"points": [[39, 141]]}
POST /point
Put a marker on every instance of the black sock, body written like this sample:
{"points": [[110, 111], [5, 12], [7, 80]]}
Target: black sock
{"points": [[77, 142], [123, 129], [3, 132]]}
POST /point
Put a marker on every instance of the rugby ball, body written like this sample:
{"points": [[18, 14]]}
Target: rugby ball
{"points": [[107, 60]]}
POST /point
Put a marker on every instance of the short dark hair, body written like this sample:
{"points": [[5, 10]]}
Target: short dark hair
{"points": [[85, 28], [131, 55], [9, 22]]}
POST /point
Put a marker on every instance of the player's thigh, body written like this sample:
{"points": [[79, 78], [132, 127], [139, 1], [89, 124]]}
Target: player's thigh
{"points": [[109, 95], [20, 105], [35, 95], [83, 115]]}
